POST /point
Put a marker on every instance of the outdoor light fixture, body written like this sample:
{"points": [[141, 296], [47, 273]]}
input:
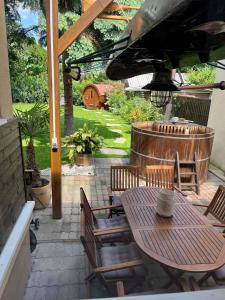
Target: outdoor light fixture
{"points": [[74, 72], [161, 87]]}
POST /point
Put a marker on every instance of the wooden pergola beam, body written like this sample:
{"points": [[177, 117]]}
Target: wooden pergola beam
{"points": [[82, 24], [117, 18]]}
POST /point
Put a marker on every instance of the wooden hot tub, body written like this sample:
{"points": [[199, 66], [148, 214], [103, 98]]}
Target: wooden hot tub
{"points": [[158, 142]]}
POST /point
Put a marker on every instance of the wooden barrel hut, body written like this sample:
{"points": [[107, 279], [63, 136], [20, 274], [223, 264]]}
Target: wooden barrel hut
{"points": [[158, 142], [94, 95]]}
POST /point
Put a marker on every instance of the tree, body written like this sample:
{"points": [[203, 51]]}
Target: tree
{"points": [[98, 35], [27, 60], [31, 84]]}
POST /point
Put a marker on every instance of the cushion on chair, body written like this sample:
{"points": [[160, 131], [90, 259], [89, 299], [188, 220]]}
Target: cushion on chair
{"points": [[116, 200], [109, 223], [219, 274], [119, 254]]}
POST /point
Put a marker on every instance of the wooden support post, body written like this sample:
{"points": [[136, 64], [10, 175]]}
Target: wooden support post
{"points": [[54, 104]]}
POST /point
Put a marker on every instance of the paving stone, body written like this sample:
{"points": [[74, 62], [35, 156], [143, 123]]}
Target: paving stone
{"points": [[69, 292], [116, 130], [58, 250], [35, 293], [54, 278], [113, 151], [64, 236], [112, 125], [120, 140], [74, 235], [74, 226], [58, 263]]}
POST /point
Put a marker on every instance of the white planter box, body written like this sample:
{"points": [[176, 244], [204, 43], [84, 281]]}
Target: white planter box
{"points": [[15, 259]]}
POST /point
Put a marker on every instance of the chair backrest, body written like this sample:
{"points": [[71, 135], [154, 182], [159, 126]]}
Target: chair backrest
{"points": [[161, 176], [86, 230], [89, 216], [124, 177], [217, 205]]}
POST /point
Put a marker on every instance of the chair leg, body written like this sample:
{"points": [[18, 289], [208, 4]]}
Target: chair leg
{"points": [[173, 278], [90, 277], [185, 285], [194, 284], [204, 278]]}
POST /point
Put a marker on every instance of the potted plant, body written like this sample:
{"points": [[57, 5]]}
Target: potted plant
{"points": [[83, 143], [34, 122]]}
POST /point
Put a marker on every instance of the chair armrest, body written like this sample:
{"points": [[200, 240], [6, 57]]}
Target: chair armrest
{"points": [[106, 207], [200, 205], [218, 225], [120, 266], [179, 191], [111, 230], [120, 289]]}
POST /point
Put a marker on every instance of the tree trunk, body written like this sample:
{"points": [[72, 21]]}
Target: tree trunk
{"points": [[68, 106], [31, 162]]}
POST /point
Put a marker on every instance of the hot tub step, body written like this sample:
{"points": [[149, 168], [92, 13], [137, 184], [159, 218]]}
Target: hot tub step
{"points": [[188, 184], [188, 173], [191, 168]]}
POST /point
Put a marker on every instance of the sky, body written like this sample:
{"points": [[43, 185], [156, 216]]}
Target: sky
{"points": [[28, 18]]}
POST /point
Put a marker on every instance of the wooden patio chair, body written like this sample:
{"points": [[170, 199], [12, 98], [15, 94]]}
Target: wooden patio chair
{"points": [[216, 207], [107, 230], [161, 176], [122, 177], [110, 263]]}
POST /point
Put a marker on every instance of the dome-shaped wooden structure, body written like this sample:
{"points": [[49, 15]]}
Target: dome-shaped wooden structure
{"points": [[94, 95]]}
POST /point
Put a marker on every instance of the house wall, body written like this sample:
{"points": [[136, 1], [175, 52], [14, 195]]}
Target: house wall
{"points": [[12, 195], [217, 121], [5, 88]]}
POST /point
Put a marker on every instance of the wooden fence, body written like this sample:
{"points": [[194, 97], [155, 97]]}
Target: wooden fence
{"points": [[193, 107], [12, 191]]}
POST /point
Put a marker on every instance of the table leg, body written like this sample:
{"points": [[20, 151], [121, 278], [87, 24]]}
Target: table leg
{"points": [[173, 278]]}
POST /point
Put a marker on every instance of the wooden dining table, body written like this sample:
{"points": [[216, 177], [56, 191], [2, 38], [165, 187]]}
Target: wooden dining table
{"points": [[186, 241]]}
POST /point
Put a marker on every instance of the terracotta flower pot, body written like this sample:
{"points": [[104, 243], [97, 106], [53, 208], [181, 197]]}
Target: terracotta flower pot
{"points": [[83, 159], [42, 195]]}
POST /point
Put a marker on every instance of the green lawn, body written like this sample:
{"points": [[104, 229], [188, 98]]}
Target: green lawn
{"points": [[95, 119]]}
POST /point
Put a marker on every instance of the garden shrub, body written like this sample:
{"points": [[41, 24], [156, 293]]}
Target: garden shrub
{"points": [[201, 75], [132, 109]]}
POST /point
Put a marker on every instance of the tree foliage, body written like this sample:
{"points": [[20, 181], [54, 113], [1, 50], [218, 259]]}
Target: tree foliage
{"points": [[29, 79]]}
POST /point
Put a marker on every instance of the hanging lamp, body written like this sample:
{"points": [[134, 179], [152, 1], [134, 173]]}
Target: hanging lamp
{"points": [[161, 87]]}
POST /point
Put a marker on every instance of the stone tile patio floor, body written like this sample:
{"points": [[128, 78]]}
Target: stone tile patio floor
{"points": [[59, 264]]}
